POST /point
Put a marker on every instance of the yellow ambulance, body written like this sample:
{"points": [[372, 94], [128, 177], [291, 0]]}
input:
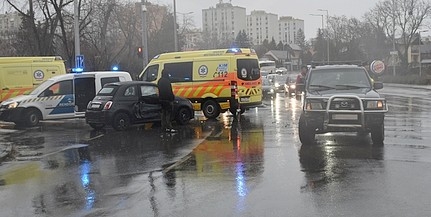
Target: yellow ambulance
{"points": [[19, 75], [213, 80]]}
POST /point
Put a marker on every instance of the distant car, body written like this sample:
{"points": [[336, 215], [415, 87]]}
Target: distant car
{"points": [[281, 71], [290, 85], [268, 88], [278, 82], [123, 104]]}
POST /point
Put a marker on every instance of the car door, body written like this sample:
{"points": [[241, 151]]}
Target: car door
{"points": [[58, 100], [149, 107]]}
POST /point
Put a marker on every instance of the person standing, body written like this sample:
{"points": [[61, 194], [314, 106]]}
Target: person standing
{"points": [[300, 79], [167, 98]]}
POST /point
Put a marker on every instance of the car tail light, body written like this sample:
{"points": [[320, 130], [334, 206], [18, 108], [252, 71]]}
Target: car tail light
{"points": [[108, 105]]}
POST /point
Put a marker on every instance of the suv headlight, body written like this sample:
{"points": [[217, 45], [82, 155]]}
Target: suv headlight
{"points": [[314, 105], [375, 104]]}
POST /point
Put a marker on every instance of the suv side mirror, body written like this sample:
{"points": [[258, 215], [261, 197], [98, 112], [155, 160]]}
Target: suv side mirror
{"points": [[378, 85]]}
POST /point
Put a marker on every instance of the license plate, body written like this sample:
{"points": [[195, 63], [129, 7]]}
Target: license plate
{"points": [[345, 117], [244, 99], [95, 106]]}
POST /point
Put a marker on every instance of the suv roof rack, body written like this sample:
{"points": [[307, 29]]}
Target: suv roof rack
{"points": [[347, 62]]}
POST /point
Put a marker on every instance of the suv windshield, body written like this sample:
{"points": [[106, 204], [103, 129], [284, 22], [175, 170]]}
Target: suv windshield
{"points": [[343, 78]]}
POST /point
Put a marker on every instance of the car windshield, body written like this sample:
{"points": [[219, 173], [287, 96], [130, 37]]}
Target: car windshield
{"points": [[338, 79]]}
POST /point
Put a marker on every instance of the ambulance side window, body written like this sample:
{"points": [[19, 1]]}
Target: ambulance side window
{"points": [[151, 73], [248, 69], [180, 72], [59, 88]]}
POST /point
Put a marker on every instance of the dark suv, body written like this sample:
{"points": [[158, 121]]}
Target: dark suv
{"points": [[342, 98], [123, 104]]}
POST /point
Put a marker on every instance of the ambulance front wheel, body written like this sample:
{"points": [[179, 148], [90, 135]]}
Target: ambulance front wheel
{"points": [[211, 109], [31, 117]]}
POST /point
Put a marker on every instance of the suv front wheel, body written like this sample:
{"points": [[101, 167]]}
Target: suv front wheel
{"points": [[378, 134], [307, 134]]}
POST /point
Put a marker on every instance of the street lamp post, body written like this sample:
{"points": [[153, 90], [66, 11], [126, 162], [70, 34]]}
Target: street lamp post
{"points": [[327, 32], [144, 33], [419, 49], [320, 15], [175, 28]]}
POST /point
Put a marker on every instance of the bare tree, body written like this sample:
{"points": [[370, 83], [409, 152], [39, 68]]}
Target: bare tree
{"points": [[400, 19]]}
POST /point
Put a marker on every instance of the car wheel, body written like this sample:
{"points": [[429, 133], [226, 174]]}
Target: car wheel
{"points": [[97, 126], [378, 135], [32, 117], [211, 109], [121, 122], [183, 116], [306, 133]]}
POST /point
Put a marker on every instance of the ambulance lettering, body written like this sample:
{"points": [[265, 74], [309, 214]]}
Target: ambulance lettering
{"points": [[221, 71]]}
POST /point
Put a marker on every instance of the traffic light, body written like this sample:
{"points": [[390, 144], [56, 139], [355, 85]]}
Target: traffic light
{"points": [[140, 52]]}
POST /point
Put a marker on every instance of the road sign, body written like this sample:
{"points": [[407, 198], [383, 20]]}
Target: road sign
{"points": [[393, 53], [79, 62]]}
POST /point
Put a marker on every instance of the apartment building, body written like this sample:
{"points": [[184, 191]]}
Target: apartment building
{"points": [[9, 22], [262, 26], [224, 21], [288, 28]]}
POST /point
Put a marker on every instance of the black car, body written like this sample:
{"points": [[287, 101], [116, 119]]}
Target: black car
{"points": [[290, 85], [123, 104], [342, 98]]}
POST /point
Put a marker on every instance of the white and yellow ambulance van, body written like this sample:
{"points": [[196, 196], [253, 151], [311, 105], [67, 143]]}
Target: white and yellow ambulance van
{"points": [[60, 97], [213, 80], [19, 75]]}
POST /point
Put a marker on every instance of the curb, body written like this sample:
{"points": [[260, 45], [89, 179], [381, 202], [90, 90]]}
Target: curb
{"points": [[423, 87]]}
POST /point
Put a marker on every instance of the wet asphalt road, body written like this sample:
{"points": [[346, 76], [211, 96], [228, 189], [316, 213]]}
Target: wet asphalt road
{"points": [[252, 167]]}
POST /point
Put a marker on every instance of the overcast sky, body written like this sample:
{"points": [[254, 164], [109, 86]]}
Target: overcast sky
{"points": [[300, 9]]}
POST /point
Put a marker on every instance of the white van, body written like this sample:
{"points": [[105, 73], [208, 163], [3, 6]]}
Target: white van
{"points": [[60, 97], [267, 67]]}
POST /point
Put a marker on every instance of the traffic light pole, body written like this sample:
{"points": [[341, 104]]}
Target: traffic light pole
{"points": [[144, 33]]}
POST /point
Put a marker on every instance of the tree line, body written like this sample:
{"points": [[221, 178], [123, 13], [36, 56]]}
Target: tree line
{"points": [[110, 33]]}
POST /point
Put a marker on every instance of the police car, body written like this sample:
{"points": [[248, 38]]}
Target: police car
{"points": [[60, 97]]}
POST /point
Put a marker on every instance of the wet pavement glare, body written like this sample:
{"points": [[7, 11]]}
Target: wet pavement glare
{"points": [[254, 166]]}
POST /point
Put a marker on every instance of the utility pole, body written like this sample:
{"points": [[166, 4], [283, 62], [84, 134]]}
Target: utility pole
{"points": [[144, 33]]}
